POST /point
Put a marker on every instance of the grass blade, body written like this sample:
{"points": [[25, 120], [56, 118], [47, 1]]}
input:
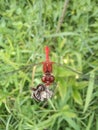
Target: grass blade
{"points": [[89, 91], [90, 122]]}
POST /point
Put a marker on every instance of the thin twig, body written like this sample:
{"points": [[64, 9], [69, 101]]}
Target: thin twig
{"points": [[61, 19]]}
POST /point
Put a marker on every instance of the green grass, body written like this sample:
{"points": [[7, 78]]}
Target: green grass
{"points": [[26, 26]]}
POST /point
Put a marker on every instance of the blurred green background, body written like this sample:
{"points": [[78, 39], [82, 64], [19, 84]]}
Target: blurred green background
{"points": [[26, 27]]}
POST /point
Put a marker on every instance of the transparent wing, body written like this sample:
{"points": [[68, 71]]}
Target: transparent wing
{"points": [[8, 70], [14, 76], [64, 71]]}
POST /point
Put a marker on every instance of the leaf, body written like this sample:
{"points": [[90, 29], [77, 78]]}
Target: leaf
{"points": [[96, 123], [77, 97], [62, 88], [81, 85], [61, 45], [89, 91], [69, 114], [90, 121], [72, 123], [66, 111]]}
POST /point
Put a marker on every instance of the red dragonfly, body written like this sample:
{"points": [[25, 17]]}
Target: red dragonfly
{"points": [[42, 91]]}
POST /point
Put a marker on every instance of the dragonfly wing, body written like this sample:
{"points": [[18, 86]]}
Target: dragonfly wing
{"points": [[68, 67], [11, 75]]}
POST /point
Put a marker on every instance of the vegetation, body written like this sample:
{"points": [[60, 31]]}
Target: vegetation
{"points": [[26, 27]]}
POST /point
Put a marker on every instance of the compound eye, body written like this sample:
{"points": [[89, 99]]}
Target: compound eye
{"points": [[44, 79], [51, 79]]}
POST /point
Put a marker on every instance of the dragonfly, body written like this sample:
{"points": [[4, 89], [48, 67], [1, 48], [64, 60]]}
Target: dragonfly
{"points": [[42, 91]]}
